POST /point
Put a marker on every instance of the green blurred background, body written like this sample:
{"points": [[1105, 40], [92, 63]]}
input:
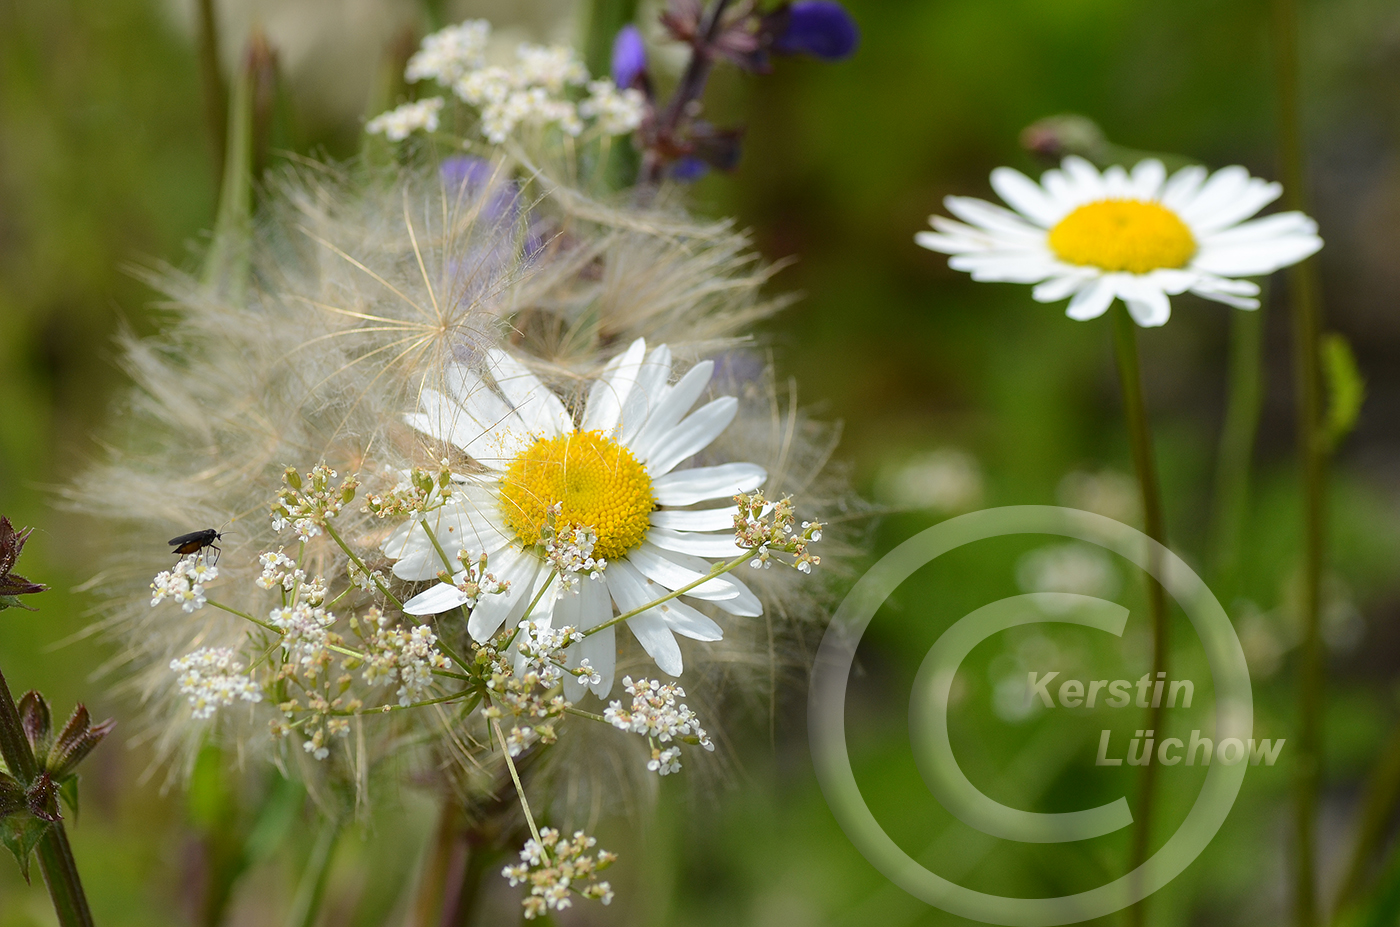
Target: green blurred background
{"points": [[953, 396]]}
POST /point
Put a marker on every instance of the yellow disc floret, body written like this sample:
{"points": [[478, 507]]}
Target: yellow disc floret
{"points": [[597, 482], [1137, 236]]}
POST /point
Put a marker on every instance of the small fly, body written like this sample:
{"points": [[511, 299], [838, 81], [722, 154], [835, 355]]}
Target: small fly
{"points": [[195, 541]]}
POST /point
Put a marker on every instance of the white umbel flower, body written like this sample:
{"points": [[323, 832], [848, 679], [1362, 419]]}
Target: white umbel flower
{"points": [[613, 472], [1140, 237], [399, 123]]}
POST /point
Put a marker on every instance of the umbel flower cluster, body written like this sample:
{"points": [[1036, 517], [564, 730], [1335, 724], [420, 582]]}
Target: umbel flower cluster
{"points": [[484, 445]]}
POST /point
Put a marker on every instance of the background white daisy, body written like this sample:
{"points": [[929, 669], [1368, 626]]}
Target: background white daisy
{"points": [[1140, 237]]}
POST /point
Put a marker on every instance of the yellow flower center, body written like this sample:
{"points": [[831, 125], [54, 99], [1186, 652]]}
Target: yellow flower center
{"points": [[1137, 236], [597, 481]]}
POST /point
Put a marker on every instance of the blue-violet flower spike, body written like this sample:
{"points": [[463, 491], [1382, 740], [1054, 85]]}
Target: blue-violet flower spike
{"points": [[821, 28], [629, 56]]}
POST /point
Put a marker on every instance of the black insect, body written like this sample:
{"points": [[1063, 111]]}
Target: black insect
{"points": [[187, 544]]}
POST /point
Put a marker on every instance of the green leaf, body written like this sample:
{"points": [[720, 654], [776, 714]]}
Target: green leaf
{"points": [[68, 792], [1346, 388], [21, 833]]}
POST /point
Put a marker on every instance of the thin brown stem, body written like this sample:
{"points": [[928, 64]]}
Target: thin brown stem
{"points": [[1306, 300], [688, 91]]}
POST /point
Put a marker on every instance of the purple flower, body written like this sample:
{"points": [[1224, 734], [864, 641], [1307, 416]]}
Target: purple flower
{"points": [[821, 28], [689, 169], [629, 56], [464, 170]]}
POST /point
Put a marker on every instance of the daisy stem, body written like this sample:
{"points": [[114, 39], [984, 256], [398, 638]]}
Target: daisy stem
{"points": [[515, 777], [361, 564], [1125, 339], [1306, 304], [719, 570], [1245, 395]]}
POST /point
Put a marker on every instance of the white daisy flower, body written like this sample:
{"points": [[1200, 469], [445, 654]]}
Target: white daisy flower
{"points": [[614, 472], [1139, 237]]}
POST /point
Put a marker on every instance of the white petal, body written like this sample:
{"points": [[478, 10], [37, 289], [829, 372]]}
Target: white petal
{"points": [[1084, 178], [1181, 189], [1221, 189], [745, 604], [1057, 288], [993, 218], [688, 622], [1261, 231], [1115, 183], [650, 389], [720, 546], [656, 639], [1255, 196], [655, 565], [673, 406], [444, 420], [629, 590], [491, 611], [1208, 290], [691, 436], [1007, 267], [609, 394], [586, 609], [1258, 247], [419, 563], [1147, 304], [686, 487], [697, 520], [1092, 301], [946, 244], [441, 598], [632, 590], [1148, 175], [540, 410], [1172, 281], [1025, 196]]}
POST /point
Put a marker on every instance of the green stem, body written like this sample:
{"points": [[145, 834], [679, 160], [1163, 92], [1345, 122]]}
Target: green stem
{"points": [[266, 626], [1306, 300], [447, 564], [529, 609], [306, 905], [386, 709], [1245, 398], [1125, 340], [361, 564], [212, 82], [719, 570], [585, 714], [515, 778], [1373, 823], [55, 854], [345, 651]]}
